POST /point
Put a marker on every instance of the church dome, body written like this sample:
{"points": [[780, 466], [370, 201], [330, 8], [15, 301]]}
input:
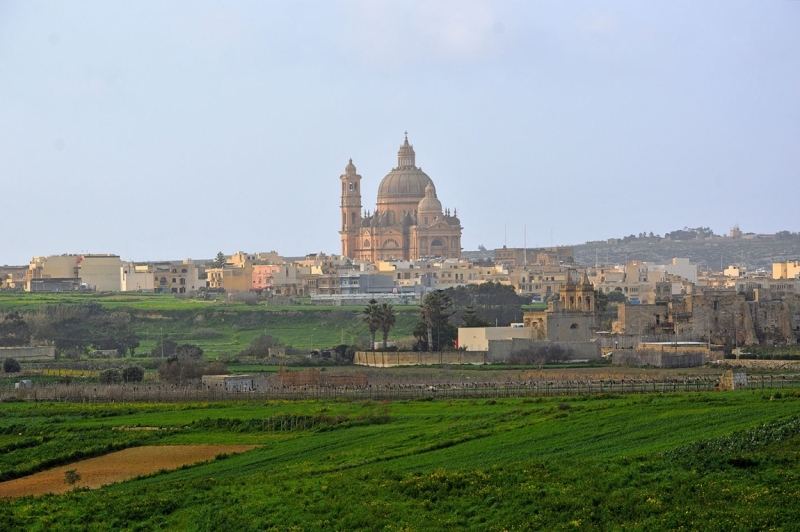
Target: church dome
{"points": [[430, 204], [406, 182]]}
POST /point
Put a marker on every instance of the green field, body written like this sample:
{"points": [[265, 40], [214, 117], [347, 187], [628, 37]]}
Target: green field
{"points": [[642, 462], [237, 324]]}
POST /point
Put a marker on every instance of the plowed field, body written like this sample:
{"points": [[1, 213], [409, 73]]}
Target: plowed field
{"points": [[116, 467]]}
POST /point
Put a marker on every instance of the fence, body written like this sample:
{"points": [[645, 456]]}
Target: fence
{"points": [[456, 390]]}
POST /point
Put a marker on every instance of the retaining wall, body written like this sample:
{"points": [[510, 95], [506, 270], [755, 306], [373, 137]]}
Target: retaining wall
{"points": [[23, 354], [388, 359]]}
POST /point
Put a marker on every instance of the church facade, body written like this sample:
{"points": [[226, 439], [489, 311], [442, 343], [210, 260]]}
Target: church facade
{"points": [[408, 223]]}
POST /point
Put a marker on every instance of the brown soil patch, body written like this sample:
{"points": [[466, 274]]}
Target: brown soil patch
{"points": [[116, 467]]}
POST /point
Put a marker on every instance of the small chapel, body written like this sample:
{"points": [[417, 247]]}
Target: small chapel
{"points": [[408, 222]]}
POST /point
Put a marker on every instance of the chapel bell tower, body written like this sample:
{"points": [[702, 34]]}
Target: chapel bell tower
{"points": [[351, 209]]}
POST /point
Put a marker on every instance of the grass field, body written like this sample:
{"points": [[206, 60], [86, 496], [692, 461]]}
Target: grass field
{"points": [[707, 461], [189, 321]]}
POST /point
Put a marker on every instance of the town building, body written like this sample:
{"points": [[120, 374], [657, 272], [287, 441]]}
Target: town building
{"points": [[571, 318], [408, 222]]}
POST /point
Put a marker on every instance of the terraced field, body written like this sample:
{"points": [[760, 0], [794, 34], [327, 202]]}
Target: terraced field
{"points": [[710, 461]]}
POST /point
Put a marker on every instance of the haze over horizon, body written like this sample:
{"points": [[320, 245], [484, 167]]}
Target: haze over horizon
{"points": [[178, 130]]}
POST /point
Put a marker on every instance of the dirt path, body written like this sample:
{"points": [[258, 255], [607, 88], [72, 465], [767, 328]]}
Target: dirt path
{"points": [[116, 467]]}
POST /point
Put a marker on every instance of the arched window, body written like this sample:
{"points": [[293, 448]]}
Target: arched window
{"points": [[574, 326], [353, 218], [391, 243], [436, 242], [344, 219], [351, 187], [366, 243], [174, 270], [355, 186], [391, 217]]}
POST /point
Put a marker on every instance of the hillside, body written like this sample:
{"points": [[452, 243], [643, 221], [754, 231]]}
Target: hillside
{"points": [[706, 253]]}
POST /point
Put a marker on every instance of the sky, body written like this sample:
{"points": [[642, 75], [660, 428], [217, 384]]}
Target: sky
{"points": [[170, 130]]}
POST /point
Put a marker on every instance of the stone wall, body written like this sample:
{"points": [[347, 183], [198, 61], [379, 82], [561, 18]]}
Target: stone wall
{"points": [[23, 354], [500, 350], [388, 359], [657, 359], [789, 365]]}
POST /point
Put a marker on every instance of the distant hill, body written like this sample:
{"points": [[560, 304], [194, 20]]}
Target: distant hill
{"points": [[753, 252]]}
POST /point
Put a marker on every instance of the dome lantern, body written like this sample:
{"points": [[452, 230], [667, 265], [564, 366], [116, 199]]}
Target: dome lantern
{"points": [[406, 158]]}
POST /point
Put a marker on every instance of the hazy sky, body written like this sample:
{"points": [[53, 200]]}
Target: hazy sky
{"points": [[178, 129]]}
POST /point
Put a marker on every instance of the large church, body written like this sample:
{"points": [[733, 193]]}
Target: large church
{"points": [[408, 222]]}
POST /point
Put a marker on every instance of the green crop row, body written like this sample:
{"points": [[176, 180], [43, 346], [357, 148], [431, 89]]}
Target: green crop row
{"points": [[555, 463]]}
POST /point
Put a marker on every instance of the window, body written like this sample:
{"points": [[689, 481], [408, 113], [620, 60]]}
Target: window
{"points": [[351, 187], [183, 270], [183, 281], [436, 242], [353, 218], [173, 279], [366, 243], [716, 305], [574, 326]]}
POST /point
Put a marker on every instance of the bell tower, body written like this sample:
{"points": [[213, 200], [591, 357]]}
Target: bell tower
{"points": [[351, 209]]}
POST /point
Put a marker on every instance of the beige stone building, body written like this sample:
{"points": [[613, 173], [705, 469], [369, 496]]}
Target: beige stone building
{"points": [[571, 318], [409, 221], [162, 277], [786, 270]]}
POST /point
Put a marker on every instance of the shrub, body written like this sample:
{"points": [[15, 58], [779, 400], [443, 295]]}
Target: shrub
{"points": [[10, 365], [133, 374], [205, 333], [71, 476], [109, 376], [216, 368]]}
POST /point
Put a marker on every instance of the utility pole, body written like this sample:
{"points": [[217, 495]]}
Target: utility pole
{"points": [[162, 342]]}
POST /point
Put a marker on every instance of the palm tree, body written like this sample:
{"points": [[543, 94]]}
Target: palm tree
{"points": [[387, 317], [371, 316]]}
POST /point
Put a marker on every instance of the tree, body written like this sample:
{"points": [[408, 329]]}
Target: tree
{"points": [[600, 301], [387, 318], [164, 349], [14, 332], [132, 374], [615, 296], [434, 330], [494, 302], [113, 331], [180, 370], [10, 365], [189, 351], [470, 319], [371, 316], [219, 260], [259, 347]]}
